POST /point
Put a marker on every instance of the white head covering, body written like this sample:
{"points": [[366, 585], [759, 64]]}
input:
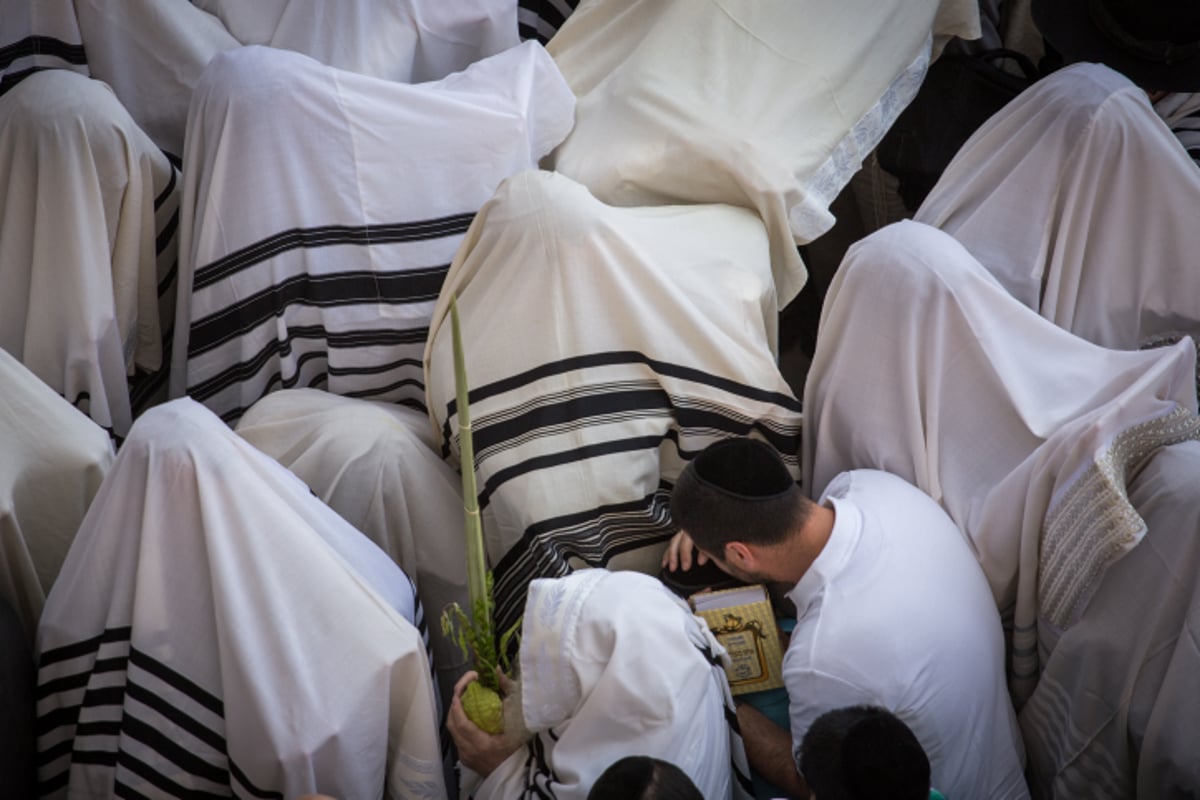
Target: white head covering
{"points": [[612, 665], [766, 104], [1076, 197], [376, 465], [927, 368], [86, 241], [242, 632], [53, 459], [604, 348]]}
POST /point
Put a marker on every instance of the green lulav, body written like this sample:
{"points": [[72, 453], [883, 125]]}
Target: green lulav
{"points": [[475, 634]]}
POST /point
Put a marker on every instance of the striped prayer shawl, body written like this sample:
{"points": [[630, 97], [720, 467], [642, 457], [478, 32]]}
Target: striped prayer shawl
{"points": [[217, 631], [31, 54], [605, 347], [321, 211]]}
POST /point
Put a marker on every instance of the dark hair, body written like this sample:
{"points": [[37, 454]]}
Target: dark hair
{"points": [[737, 490], [861, 753], [643, 778]]}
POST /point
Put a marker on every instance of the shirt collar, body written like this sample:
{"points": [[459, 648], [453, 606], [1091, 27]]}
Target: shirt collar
{"points": [[843, 539]]}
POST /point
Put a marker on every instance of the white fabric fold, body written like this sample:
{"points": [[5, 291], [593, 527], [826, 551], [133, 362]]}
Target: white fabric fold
{"points": [[377, 466], [80, 259], [1027, 435], [766, 105], [53, 460], [1071, 196]]}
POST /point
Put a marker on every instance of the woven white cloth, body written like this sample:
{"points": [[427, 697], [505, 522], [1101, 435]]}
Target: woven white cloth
{"points": [[612, 665], [1071, 197], [377, 466], [321, 209], [87, 244], [1034, 441], [766, 104], [53, 460], [152, 52], [244, 638], [604, 348]]}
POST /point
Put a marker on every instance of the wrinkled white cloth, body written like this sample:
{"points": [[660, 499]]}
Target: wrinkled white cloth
{"points": [[1116, 713], [321, 209], [604, 348], [53, 460], [152, 52], [87, 244], [1072, 196], [926, 368], [377, 466], [1034, 441], [766, 104], [246, 638], [612, 665]]}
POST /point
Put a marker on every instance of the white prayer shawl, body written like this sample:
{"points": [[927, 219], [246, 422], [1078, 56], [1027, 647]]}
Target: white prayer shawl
{"points": [[1072, 197], [614, 665], [322, 208], [1116, 712], [767, 104], [604, 347], [376, 464], [217, 628], [53, 459], [88, 208], [38, 35], [1026, 434], [151, 52]]}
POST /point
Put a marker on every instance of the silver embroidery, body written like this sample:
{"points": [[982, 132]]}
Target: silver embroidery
{"points": [[1094, 523]]}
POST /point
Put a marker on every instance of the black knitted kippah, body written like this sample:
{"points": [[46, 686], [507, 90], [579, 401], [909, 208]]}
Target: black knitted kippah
{"points": [[743, 468]]}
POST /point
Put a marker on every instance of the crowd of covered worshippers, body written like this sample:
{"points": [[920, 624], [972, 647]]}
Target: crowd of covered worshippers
{"points": [[230, 501]]}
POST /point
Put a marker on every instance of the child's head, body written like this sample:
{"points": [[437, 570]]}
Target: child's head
{"points": [[860, 752]]}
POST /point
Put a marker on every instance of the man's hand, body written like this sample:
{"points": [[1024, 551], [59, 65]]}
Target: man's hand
{"points": [[477, 749], [679, 553]]}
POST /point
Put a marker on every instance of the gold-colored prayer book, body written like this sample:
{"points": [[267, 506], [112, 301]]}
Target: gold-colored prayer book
{"points": [[744, 623]]}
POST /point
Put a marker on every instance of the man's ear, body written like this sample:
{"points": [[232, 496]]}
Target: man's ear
{"points": [[739, 555]]}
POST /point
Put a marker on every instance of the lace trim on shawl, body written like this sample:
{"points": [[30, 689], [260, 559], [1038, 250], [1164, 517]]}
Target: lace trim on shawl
{"points": [[810, 218], [1095, 524]]}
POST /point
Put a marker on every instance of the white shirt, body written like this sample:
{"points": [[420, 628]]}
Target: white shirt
{"points": [[896, 612]]}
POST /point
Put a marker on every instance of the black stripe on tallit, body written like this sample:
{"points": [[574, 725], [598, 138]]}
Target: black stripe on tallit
{"points": [[42, 46], [177, 681], [540, 775], [84, 647], [326, 236], [282, 348], [168, 230], [541, 19], [166, 192], [594, 536], [613, 358], [9, 80], [136, 728], [322, 291]]}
